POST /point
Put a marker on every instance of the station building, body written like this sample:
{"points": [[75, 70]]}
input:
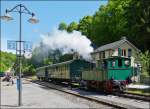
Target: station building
{"points": [[122, 48]]}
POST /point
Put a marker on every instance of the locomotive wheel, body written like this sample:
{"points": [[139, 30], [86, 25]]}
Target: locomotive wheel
{"points": [[122, 89]]}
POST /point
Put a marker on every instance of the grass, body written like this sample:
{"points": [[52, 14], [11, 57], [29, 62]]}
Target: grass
{"points": [[138, 83], [140, 92], [34, 77]]}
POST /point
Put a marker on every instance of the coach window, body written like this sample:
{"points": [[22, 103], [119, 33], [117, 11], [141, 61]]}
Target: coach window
{"points": [[63, 67], [59, 68], [66, 67], [105, 64], [119, 62], [56, 68]]}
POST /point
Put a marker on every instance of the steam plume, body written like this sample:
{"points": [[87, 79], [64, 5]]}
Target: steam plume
{"points": [[68, 42]]}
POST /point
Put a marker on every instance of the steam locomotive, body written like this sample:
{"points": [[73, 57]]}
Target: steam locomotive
{"points": [[112, 75]]}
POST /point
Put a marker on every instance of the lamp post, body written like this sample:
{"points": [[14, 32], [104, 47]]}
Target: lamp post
{"points": [[20, 9]]}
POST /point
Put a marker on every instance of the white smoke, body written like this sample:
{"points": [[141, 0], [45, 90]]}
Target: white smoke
{"points": [[68, 42]]}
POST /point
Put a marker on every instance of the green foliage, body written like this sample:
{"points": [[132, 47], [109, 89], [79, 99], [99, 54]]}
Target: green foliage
{"points": [[47, 61], [130, 18], [109, 22], [27, 67], [42, 55], [7, 61], [66, 57], [145, 61], [138, 15], [72, 26], [85, 25], [62, 26], [28, 70]]}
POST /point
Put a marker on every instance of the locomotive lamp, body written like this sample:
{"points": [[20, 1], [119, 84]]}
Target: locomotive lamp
{"points": [[20, 9]]}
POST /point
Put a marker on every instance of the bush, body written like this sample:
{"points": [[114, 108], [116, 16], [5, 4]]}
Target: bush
{"points": [[145, 61]]}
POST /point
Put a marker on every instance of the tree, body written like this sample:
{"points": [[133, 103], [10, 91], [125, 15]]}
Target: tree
{"points": [[62, 26], [109, 23], [6, 61], [130, 18], [138, 15], [66, 57], [47, 61], [72, 26], [145, 61], [85, 25]]}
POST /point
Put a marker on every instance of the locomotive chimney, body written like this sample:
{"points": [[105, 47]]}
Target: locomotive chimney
{"points": [[76, 55]]}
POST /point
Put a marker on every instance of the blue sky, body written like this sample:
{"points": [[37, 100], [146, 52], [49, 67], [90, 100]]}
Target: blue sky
{"points": [[49, 13]]}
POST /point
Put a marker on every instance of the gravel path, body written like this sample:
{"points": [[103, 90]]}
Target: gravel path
{"points": [[37, 96]]}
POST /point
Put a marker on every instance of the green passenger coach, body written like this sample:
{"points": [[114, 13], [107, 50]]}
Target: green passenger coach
{"points": [[65, 71]]}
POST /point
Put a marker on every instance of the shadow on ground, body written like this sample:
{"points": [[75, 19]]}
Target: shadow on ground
{"points": [[9, 106]]}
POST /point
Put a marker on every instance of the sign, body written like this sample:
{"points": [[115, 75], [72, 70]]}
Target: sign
{"points": [[11, 45], [27, 46], [15, 45]]}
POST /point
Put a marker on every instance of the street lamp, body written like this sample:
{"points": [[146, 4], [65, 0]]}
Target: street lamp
{"points": [[6, 17], [20, 9]]}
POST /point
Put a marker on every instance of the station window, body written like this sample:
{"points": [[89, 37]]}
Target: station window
{"points": [[119, 63], [123, 52], [129, 52], [99, 55], [103, 54]]}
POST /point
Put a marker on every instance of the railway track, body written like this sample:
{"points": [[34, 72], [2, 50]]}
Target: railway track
{"points": [[94, 99], [134, 96]]}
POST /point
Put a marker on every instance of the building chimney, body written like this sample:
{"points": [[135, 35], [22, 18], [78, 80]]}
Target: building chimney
{"points": [[124, 38]]}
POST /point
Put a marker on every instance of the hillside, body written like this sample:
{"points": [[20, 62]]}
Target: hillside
{"points": [[6, 60]]}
